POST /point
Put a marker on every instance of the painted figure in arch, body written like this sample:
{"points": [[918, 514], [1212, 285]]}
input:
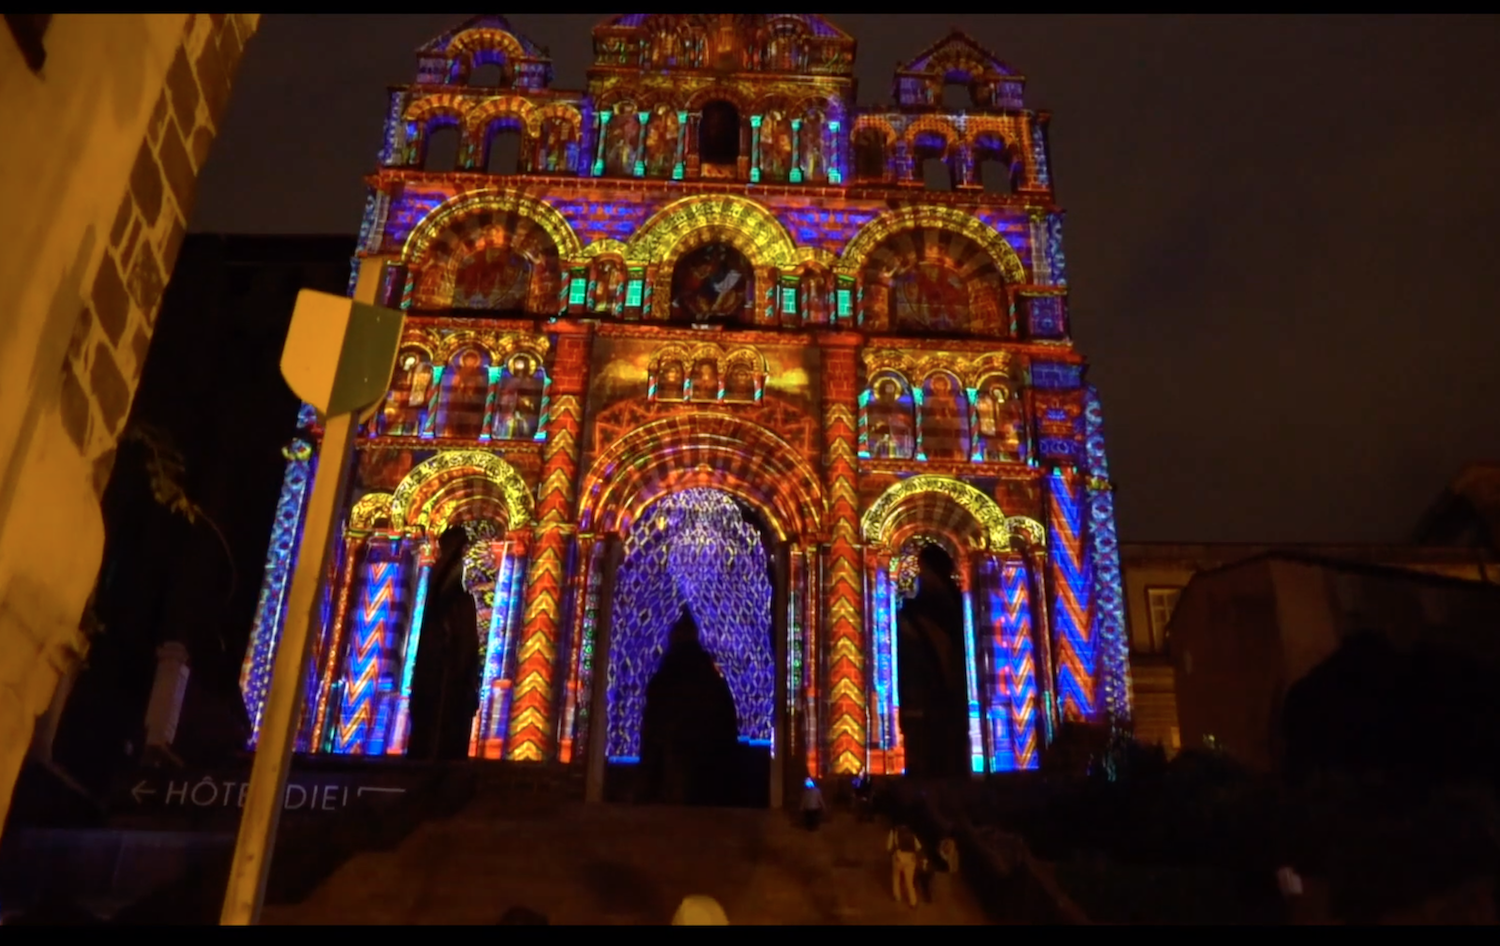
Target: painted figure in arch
{"points": [[520, 408], [739, 387], [622, 141], [409, 396], [814, 167], [815, 301], [891, 431], [671, 382], [468, 396], [775, 147], [1002, 423], [661, 142], [608, 286], [706, 381], [943, 412]]}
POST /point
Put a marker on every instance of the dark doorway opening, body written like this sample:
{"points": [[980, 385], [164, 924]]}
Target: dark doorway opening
{"points": [[719, 134], [445, 681], [933, 681]]}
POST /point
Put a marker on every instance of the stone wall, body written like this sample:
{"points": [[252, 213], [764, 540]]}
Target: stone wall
{"points": [[105, 143]]}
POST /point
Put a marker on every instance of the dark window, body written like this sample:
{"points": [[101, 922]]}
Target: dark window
{"points": [[505, 151], [443, 143], [719, 134], [28, 29]]}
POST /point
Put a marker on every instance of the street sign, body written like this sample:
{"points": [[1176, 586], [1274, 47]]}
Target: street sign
{"points": [[340, 354], [194, 795]]}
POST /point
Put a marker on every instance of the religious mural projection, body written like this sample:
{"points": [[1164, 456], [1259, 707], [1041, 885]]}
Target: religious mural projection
{"points": [[713, 284], [519, 407], [591, 357], [930, 296], [466, 400], [410, 396], [494, 278], [694, 550], [1000, 422], [890, 419], [945, 418]]}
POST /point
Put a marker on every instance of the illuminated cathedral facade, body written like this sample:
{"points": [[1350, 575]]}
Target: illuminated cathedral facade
{"points": [[711, 341]]}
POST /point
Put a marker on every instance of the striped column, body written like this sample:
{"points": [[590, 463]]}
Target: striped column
{"points": [[847, 737], [533, 721]]}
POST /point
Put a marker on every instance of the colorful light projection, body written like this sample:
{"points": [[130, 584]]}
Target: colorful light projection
{"points": [[611, 261], [693, 549], [286, 536]]}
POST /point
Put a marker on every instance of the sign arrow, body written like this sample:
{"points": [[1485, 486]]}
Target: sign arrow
{"points": [[141, 789]]}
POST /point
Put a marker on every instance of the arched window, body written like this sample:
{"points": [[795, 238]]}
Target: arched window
{"points": [[440, 152], [487, 75], [869, 155], [931, 152], [504, 148], [719, 134], [992, 161]]}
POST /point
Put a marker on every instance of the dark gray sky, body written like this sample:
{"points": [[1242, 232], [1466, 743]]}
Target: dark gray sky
{"points": [[1281, 233]]}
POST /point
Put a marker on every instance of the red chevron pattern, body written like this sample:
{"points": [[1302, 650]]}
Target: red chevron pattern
{"points": [[846, 619], [531, 720]]}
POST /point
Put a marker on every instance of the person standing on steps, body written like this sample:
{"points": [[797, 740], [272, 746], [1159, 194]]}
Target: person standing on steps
{"points": [[812, 805], [905, 850]]}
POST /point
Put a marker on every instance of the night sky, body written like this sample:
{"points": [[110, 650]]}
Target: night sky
{"points": [[1280, 235]]}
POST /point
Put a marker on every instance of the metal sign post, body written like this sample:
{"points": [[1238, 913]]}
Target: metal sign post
{"points": [[339, 358]]}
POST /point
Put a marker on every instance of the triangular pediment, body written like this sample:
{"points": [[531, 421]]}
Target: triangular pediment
{"points": [[959, 52]]}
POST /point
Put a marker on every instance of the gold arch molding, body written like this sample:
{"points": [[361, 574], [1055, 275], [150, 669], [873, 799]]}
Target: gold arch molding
{"points": [[426, 489], [996, 529]]}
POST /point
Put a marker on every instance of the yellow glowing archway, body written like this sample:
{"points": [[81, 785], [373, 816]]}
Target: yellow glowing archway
{"points": [[429, 234], [751, 228], [434, 491], [877, 231], [371, 513], [994, 529]]}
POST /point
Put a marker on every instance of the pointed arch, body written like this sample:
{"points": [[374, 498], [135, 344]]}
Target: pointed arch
{"points": [[877, 231], [438, 491]]}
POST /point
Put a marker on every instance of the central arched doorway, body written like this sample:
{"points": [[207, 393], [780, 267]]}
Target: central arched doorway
{"points": [[731, 513], [691, 685]]}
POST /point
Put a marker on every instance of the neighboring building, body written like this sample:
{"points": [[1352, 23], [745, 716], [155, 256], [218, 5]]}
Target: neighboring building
{"points": [[1156, 574], [1243, 635], [211, 397], [717, 343], [117, 113]]}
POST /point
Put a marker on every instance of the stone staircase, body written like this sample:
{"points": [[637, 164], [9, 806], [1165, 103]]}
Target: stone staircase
{"points": [[613, 865]]}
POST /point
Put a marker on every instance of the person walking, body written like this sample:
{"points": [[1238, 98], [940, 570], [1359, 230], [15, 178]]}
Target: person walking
{"points": [[905, 850], [812, 805]]}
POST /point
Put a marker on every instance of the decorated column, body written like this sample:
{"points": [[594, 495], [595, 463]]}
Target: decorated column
{"points": [[1071, 593], [533, 709], [333, 651], [845, 577]]}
